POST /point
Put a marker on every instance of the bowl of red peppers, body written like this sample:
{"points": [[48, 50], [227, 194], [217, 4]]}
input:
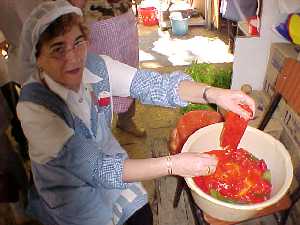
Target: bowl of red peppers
{"points": [[254, 169]]}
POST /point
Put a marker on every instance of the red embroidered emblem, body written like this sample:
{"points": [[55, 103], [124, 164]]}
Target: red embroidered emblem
{"points": [[103, 98]]}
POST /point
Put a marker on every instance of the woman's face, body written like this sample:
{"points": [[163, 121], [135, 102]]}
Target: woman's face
{"points": [[63, 58]]}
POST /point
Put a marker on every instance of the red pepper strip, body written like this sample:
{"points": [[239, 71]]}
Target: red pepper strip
{"points": [[233, 129]]}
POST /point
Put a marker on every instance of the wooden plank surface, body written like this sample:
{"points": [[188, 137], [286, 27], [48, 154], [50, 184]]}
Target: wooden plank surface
{"points": [[164, 213]]}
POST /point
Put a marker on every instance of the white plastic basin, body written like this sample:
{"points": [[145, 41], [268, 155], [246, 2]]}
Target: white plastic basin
{"points": [[261, 145]]}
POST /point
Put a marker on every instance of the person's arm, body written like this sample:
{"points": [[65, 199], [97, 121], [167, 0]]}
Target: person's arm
{"points": [[191, 91], [184, 164], [228, 99], [158, 89], [144, 169], [55, 145], [174, 89], [178, 89]]}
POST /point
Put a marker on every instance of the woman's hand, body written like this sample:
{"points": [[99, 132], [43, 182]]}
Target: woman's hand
{"points": [[191, 164], [230, 100]]}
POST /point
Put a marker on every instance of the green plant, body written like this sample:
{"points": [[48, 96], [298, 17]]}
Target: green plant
{"points": [[192, 106], [211, 75]]}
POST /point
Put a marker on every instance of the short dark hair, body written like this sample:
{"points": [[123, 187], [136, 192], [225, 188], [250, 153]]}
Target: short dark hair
{"points": [[60, 26]]}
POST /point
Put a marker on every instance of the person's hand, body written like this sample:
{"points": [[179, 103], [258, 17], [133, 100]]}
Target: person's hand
{"points": [[191, 164], [230, 100]]}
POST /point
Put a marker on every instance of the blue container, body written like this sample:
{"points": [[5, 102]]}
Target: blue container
{"points": [[180, 26]]}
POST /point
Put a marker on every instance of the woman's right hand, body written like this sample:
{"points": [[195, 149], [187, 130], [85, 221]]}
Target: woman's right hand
{"points": [[191, 164]]}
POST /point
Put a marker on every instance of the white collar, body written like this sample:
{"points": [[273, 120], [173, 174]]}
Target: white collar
{"points": [[87, 78]]}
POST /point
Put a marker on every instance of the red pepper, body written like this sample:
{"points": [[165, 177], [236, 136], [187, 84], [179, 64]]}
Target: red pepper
{"points": [[238, 178], [233, 130]]}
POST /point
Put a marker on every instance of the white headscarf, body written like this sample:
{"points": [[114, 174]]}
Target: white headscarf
{"points": [[37, 22]]}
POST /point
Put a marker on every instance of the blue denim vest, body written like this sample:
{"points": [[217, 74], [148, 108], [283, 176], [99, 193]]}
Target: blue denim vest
{"points": [[59, 196]]}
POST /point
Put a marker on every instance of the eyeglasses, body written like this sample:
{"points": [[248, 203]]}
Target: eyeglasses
{"points": [[61, 51]]}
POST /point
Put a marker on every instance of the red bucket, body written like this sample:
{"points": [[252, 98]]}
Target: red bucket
{"points": [[148, 16]]}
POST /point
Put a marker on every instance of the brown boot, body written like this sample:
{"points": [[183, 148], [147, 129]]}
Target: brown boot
{"points": [[126, 124], [130, 127]]}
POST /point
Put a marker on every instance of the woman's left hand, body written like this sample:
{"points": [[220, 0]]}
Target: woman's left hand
{"points": [[231, 100]]}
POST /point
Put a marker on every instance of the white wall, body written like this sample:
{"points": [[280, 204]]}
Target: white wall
{"points": [[251, 53]]}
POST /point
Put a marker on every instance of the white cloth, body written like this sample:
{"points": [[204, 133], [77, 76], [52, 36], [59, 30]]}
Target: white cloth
{"points": [[79, 104], [120, 75]]}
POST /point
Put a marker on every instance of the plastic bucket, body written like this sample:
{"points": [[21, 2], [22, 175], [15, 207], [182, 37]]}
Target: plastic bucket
{"points": [[180, 25], [263, 146], [148, 16]]}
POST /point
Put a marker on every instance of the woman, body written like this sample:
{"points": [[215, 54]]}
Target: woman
{"points": [[81, 174]]}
